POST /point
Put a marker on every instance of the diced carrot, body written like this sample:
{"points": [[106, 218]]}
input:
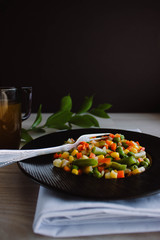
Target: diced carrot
{"points": [[92, 155], [140, 159], [100, 168], [142, 149], [131, 143], [113, 146], [120, 174], [67, 169], [80, 147], [109, 142], [79, 155], [56, 155], [111, 135], [138, 143], [105, 160], [129, 148], [80, 171], [106, 145]]}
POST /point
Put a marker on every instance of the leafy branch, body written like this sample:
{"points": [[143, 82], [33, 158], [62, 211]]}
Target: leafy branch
{"points": [[65, 118]]}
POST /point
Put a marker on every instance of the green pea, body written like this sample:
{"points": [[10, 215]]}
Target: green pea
{"points": [[133, 167], [116, 139]]}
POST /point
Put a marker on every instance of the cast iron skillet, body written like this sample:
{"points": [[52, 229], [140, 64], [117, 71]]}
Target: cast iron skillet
{"points": [[41, 170]]}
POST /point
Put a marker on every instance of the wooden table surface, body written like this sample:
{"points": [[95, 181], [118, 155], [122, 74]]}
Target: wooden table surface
{"points": [[18, 193]]}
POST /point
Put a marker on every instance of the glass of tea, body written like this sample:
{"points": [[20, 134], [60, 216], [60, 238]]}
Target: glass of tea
{"points": [[11, 99]]}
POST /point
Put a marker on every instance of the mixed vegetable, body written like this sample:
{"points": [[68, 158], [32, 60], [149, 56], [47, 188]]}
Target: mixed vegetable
{"points": [[111, 157]]}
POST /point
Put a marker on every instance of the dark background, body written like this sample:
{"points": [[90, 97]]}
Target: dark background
{"points": [[82, 48]]}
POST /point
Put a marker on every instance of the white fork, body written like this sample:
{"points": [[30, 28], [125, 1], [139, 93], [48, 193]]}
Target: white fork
{"points": [[8, 156]]}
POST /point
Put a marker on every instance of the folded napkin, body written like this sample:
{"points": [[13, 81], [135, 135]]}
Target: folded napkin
{"points": [[62, 215]]}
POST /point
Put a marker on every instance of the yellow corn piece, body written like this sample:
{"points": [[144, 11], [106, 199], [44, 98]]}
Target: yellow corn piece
{"points": [[71, 158], [74, 152], [115, 154], [113, 174], [126, 151], [87, 169], [65, 155], [134, 150], [136, 171], [75, 171], [100, 157]]}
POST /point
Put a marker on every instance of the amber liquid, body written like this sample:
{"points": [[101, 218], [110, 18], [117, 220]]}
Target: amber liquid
{"points": [[10, 125]]}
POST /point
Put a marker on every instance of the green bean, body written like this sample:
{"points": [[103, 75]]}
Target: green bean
{"points": [[129, 161], [147, 160], [85, 162], [118, 166], [144, 164], [121, 152], [98, 151], [96, 173]]}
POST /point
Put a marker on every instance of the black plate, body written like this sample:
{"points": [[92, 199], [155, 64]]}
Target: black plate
{"points": [[42, 171]]}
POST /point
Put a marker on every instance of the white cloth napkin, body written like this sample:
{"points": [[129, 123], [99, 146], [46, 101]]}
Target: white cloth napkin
{"points": [[61, 215]]}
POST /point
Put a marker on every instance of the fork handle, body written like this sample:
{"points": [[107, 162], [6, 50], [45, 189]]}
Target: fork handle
{"points": [[10, 156]]}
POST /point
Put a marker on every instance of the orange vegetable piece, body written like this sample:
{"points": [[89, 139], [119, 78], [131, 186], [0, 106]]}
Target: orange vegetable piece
{"points": [[111, 135], [56, 155], [120, 174], [100, 168], [67, 169], [140, 159], [105, 160], [79, 155], [92, 155], [113, 146]]}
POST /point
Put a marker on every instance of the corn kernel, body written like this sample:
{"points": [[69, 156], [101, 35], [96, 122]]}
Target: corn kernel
{"points": [[87, 169], [115, 154], [114, 174], [134, 150], [100, 157], [136, 171], [126, 151], [71, 158], [57, 162], [74, 152], [65, 155], [75, 171]]}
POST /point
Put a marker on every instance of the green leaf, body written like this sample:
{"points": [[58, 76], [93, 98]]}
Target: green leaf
{"points": [[93, 120], [83, 121], [104, 106], [38, 118], [99, 112], [25, 135], [86, 105], [58, 119], [66, 103]]}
